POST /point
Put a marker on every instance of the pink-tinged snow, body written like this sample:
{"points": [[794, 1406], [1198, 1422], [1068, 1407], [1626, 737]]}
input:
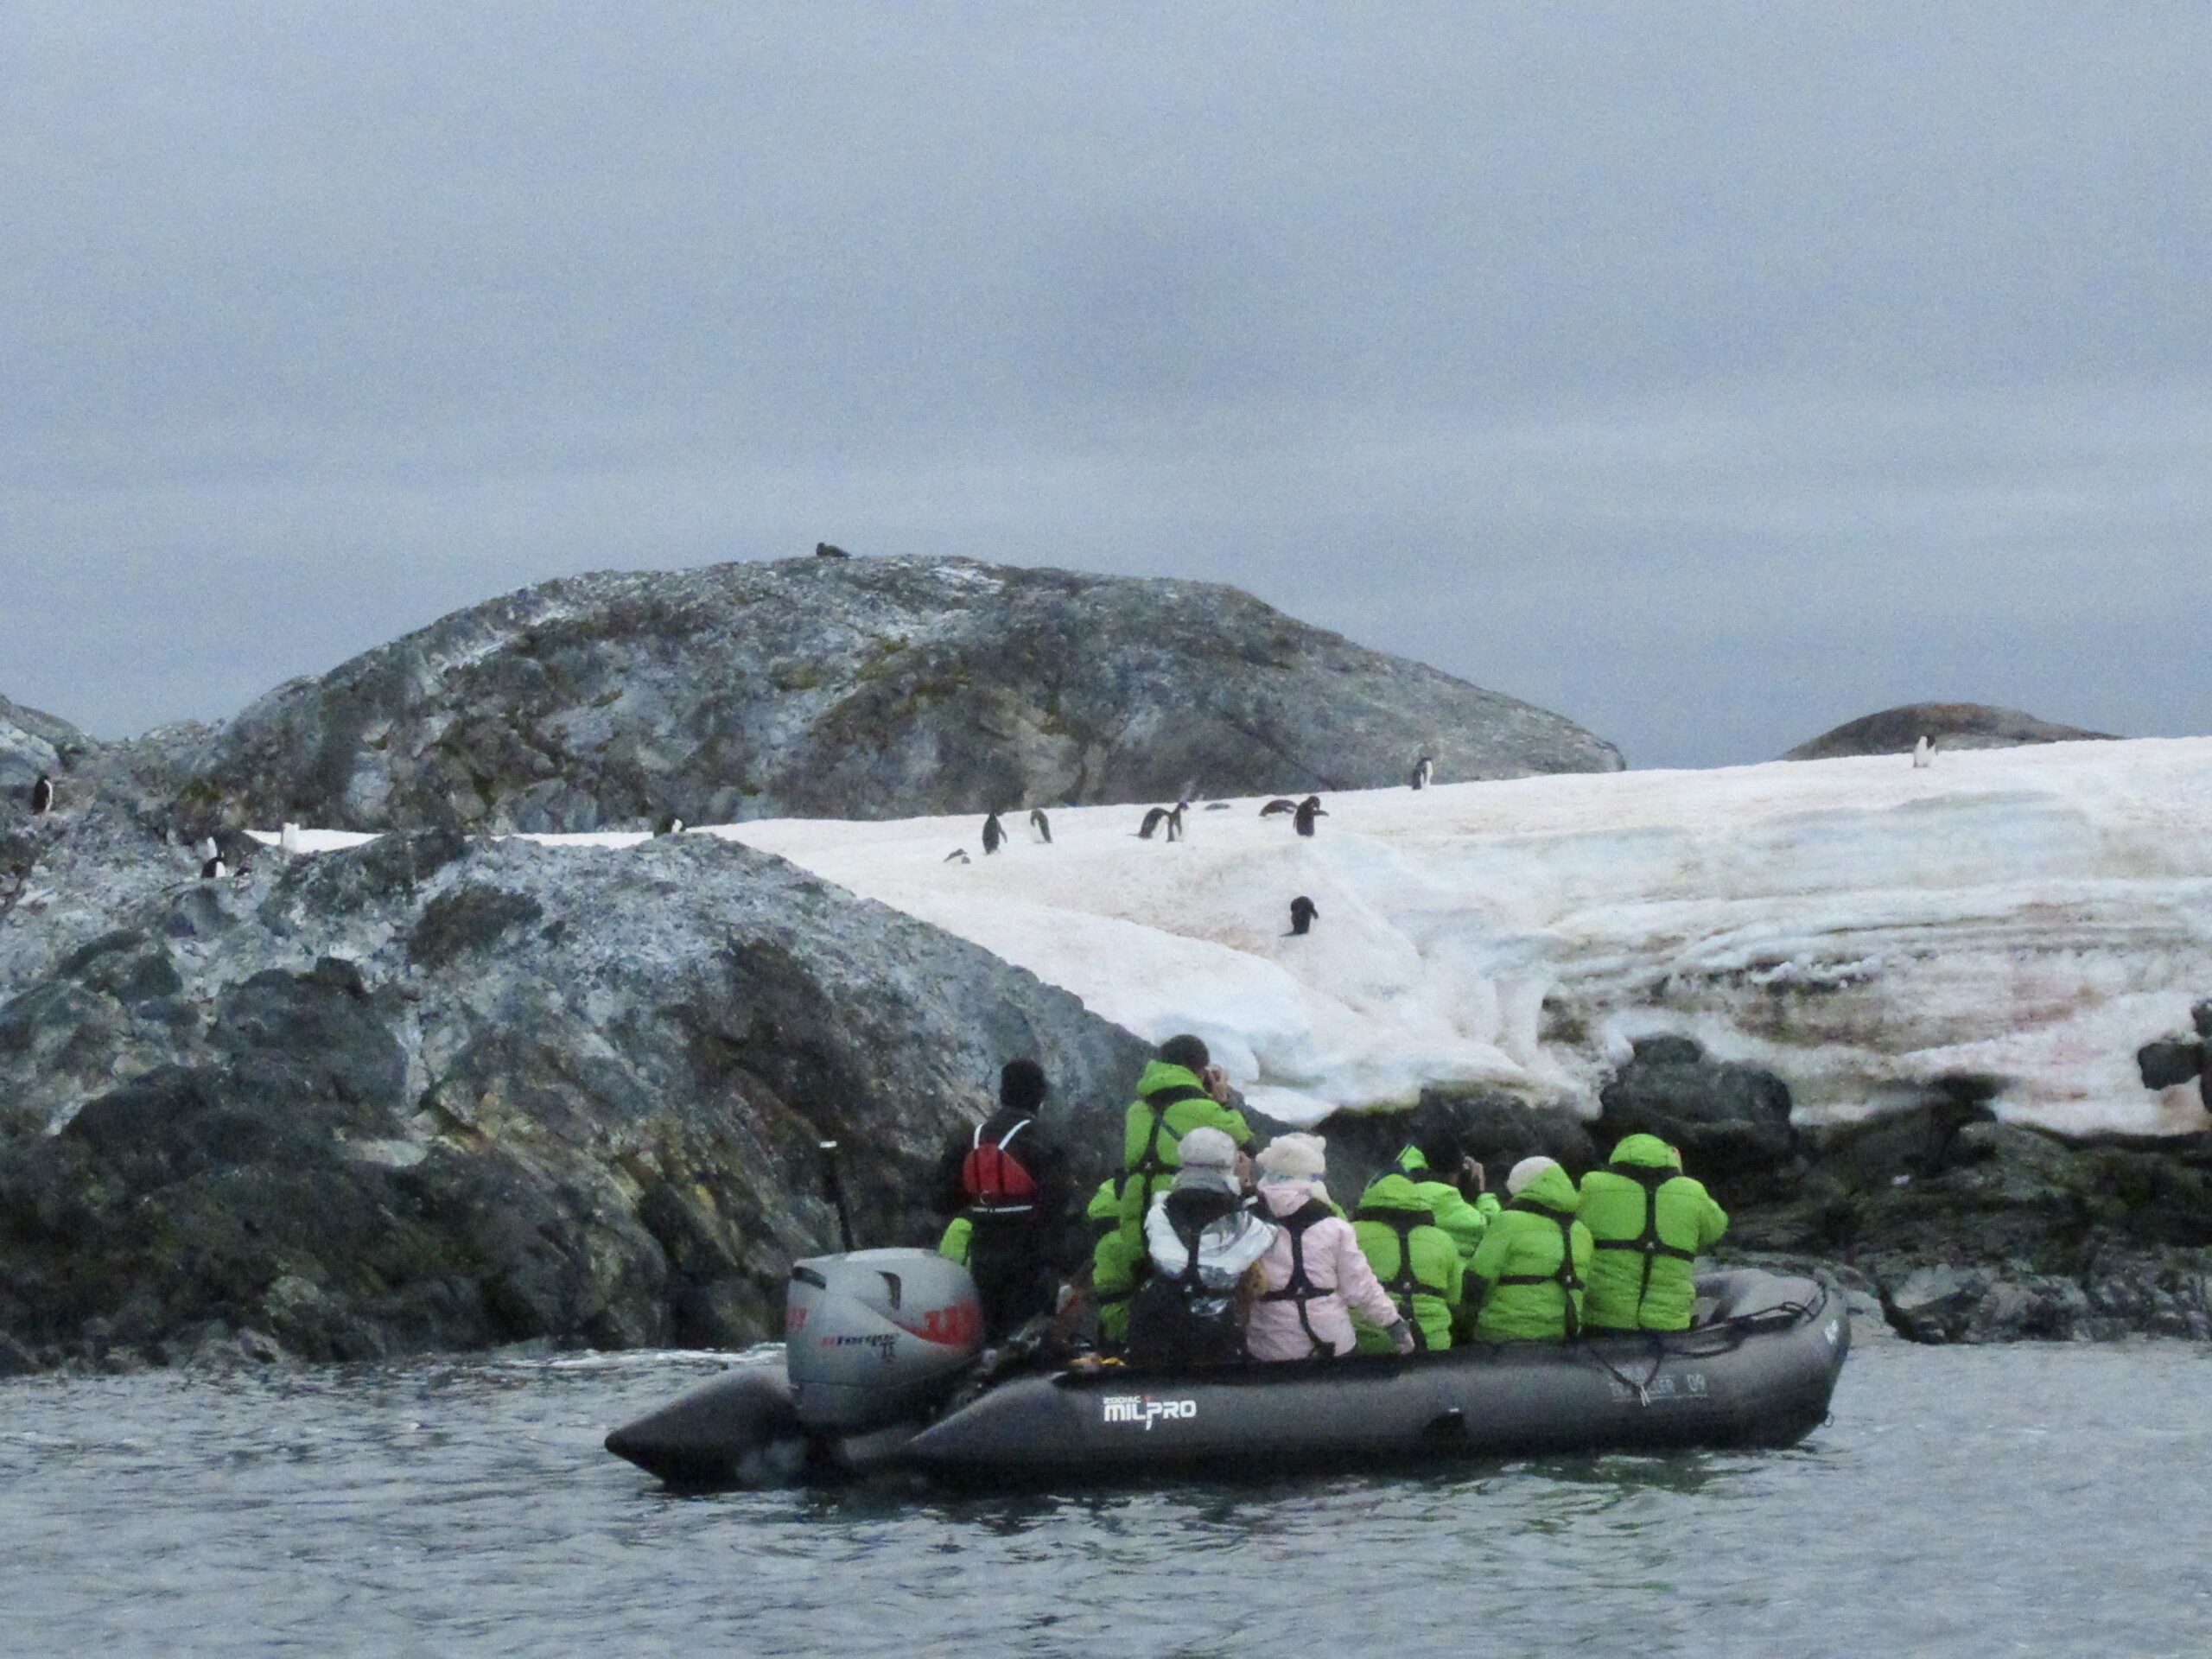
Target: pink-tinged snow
{"points": [[1861, 925]]}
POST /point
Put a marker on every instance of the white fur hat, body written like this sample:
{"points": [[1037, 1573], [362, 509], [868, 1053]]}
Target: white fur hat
{"points": [[1206, 1148], [1525, 1172], [1294, 1158]]}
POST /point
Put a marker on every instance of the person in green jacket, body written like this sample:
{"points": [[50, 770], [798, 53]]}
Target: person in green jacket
{"points": [[1440, 1172], [1417, 1260], [1114, 1267], [1179, 1091], [1647, 1221], [1528, 1270]]}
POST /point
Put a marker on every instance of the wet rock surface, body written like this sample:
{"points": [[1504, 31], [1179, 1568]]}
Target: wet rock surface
{"points": [[441, 1093], [850, 688]]}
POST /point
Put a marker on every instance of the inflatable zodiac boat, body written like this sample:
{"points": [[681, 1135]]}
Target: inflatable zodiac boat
{"points": [[881, 1371]]}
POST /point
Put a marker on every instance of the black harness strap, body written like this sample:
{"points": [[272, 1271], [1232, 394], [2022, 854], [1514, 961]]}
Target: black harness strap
{"points": [[1405, 1281], [1648, 1241], [1299, 1287], [1564, 1275], [1151, 1161]]}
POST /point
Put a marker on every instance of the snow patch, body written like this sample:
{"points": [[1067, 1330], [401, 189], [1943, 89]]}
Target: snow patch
{"points": [[1862, 926]]}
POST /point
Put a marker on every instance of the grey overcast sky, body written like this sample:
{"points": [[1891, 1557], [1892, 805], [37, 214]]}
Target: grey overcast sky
{"points": [[1711, 373]]}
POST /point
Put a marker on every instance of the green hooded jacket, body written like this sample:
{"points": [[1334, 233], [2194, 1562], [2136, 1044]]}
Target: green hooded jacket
{"points": [[1464, 1220], [1393, 1221], [1532, 1263], [1171, 1102], [1647, 1221]]}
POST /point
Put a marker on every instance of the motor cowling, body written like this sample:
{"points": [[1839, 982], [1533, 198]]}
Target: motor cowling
{"points": [[876, 1336]]}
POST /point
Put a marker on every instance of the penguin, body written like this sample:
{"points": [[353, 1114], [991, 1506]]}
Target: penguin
{"points": [[1424, 769], [994, 833], [1278, 805], [958, 856], [1923, 752], [1309, 810], [1152, 820], [42, 796], [1041, 825], [212, 870], [671, 825], [825, 550], [1302, 912]]}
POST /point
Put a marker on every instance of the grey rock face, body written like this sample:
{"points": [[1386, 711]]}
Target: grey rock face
{"points": [[1731, 1121], [439, 1093], [30, 743], [1952, 725], [861, 688]]}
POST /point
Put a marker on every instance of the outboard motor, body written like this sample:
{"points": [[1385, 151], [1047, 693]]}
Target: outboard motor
{"points": [[877, 1337]]}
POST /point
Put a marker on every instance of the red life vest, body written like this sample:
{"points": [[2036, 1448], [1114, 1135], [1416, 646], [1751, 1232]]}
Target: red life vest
{"points": [[993, 1179]]}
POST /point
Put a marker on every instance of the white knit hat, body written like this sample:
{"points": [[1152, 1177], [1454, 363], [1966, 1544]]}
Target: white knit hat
{"points": [[1525, 1172], [1294, 1158], [1206, 1148]]}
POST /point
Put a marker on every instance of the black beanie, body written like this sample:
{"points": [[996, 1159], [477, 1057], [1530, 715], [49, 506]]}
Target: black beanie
{"points": [[1021, 1085], [1187, 1052]]}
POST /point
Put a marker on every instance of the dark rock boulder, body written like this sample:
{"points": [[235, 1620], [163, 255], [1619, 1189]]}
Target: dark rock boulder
{"points": [[1730, 1121], [442, 1094], [864, 688], [1951, 725]]}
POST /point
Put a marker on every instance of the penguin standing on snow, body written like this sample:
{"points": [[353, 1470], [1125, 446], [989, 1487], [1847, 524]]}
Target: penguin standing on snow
{"points": [[1923, 752], [1424, 769], [1040, 825], [42, 796], [1302, 912], [1309, 810], [1279, 805], [994, 833]]}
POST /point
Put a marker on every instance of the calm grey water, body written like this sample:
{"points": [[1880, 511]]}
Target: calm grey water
{"points": [[1994, 1501]]}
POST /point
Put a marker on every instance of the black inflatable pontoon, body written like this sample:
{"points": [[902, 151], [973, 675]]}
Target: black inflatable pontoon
{"points": [[1757, 1370]]}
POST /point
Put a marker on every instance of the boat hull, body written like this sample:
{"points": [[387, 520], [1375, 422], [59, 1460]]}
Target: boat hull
{"points": [[1765, 1382]]}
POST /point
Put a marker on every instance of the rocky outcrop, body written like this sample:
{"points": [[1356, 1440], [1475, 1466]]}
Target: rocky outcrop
{"points": [[1731, 1121], [1949, 725], [30, 743], [1971, 1229], [851, 688], [440, 1093]]}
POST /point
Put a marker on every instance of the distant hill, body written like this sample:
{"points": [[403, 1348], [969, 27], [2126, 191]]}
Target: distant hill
{"points": [[852, 687], [1952, 725]]}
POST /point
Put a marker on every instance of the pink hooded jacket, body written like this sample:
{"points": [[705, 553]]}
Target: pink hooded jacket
{"points": [[1334, 1261]]}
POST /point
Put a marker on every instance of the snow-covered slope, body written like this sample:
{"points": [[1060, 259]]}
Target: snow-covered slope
{"points": [[1862, 926]]}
